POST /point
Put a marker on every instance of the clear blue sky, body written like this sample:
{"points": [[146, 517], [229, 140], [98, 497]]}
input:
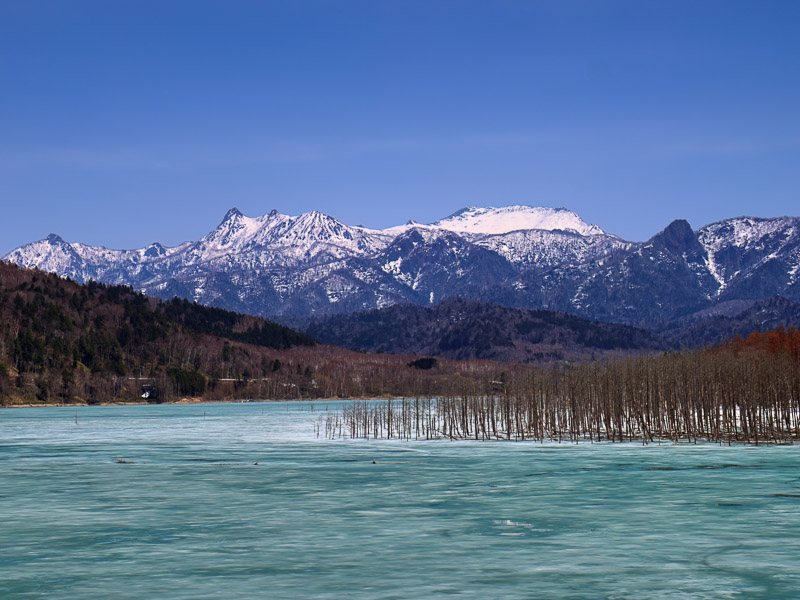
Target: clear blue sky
{"points": [[123, 123]]}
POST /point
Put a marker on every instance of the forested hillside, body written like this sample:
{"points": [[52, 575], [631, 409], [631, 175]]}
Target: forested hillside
{"points": [[61, 342], [458, 329], [740, 318]]}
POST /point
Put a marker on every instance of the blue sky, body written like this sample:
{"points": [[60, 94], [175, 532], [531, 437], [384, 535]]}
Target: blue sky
{"points": [[123, 123]]}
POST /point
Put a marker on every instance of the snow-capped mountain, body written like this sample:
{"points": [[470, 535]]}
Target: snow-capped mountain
{"points": [[674, 274], [747, 254], [520, 256], [479, 222], [487, 221], [277, 239]]}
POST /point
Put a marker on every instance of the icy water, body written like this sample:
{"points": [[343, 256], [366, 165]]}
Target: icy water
{"points": [[193, 516]]}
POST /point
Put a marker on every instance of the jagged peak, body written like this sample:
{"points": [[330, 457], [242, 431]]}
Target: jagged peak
{"points": [[233, 213], [679, 226], [314, 215], [154, 249], [54, 238], [314, 218], [678, 236]]}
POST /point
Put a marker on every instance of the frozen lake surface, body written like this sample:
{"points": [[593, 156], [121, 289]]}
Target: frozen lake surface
{"points": [[193, 517]]}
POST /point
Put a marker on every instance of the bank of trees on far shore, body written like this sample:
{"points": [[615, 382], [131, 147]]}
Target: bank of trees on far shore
{"points": [[741, 391]]}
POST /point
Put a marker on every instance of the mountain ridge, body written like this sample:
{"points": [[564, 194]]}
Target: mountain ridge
{"points": [[311, 263], [458, 329], [466, 329]]}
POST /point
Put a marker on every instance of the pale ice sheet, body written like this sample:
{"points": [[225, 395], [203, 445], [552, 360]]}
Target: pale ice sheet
{"points": [[194, 517]]}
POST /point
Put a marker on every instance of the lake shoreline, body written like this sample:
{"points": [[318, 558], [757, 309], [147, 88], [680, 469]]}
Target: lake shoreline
{"points": [[199, 401]]}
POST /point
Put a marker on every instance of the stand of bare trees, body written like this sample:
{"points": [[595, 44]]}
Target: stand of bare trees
{"points": [[744, 394]]}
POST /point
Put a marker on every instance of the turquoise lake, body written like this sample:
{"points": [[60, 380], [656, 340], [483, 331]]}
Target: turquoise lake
{"points": [[193, 517]]}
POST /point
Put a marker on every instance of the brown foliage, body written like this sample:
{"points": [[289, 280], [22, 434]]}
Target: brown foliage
{"points": [[742, 391]]}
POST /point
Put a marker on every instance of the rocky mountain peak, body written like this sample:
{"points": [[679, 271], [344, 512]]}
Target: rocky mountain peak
{"points": [[233, 214], [55, 239], [679, 238]]}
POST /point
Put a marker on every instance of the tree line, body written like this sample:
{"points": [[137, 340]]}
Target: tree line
{"points": [[61, 342], [744, 390]]}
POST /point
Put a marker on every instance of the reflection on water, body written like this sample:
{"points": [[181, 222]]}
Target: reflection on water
{"points": [[187, 512]]}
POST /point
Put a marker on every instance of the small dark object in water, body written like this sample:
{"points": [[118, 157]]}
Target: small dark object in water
{"points": [[373, 462], [727, 504], [125, 462], [255, 463]]}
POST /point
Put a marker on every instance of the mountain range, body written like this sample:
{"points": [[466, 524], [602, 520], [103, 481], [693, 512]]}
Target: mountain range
{"points": [[517, 256]]}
